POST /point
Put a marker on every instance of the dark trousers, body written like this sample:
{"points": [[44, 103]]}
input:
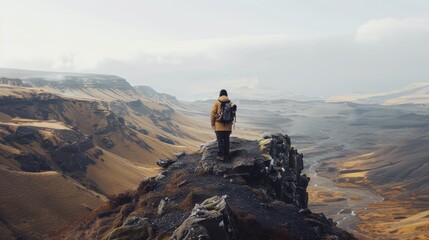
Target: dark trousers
{"points": [[223, 143]]}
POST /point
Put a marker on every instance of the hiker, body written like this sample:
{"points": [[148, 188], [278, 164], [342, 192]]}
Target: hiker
{"points": [[222, 117]]}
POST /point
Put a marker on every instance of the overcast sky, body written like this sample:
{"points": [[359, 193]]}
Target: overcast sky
{"points": [[252, 48]]}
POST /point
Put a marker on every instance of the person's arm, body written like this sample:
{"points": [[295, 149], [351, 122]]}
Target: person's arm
{"points": [[213, 114]]}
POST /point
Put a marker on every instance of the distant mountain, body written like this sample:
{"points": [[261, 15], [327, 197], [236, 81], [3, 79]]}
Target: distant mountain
{"points": [[11, 81], [416, 93], [150, 93], [92, 86]]}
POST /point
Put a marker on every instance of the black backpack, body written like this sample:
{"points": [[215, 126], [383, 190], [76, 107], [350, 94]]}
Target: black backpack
{"points": [[226, 112]]}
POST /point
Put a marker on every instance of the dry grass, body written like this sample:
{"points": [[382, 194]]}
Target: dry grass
{"points": [[398, 220], [37, 203], [194, 196], [176, 178], [120, 199]]}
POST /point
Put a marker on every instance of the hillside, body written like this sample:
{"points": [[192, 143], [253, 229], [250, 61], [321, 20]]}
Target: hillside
{"points": [[398, 172], [34, 203], [259, 193], [78, 131]]}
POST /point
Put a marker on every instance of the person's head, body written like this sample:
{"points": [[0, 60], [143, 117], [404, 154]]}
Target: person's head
{"points": [[223, 93]]}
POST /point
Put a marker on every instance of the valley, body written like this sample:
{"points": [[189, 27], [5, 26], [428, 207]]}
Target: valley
{"points": [[80, 139], [362, 159]]}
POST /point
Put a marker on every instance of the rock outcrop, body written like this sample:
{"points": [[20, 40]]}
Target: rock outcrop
{"points": [[77, 81], [258, 193], [212, 219], [275, 164], [68, 154]]}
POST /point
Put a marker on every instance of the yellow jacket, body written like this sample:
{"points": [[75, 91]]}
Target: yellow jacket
{"points": [[216, 110]]}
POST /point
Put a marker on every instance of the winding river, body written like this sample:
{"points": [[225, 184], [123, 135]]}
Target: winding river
{"points": [[355, 199]]}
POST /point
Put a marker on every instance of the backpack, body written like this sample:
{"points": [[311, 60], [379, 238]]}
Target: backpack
{"points": [[226, 112]]}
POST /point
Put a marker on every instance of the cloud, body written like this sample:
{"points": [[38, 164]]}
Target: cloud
{"points": [[380, 54], [377, 57]]}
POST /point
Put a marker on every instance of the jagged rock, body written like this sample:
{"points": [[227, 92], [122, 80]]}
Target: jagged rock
{"points": [[305, 211], [160, 176], [212, 219], [162, 205], [135, 228], [164, 162], [273, 158]]}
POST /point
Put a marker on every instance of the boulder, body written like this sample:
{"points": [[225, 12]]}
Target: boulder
{"points": [[164, 162], [212, 219]]}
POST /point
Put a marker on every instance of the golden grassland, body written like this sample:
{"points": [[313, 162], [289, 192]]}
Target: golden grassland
{"points": [[35, 203], [399, 215]]}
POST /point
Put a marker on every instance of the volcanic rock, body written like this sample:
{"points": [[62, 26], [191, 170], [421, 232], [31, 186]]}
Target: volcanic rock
{"points": [[266, 191], [164, 162], [212, 219]]}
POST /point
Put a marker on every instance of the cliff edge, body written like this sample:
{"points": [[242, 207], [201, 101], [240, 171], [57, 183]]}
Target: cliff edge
{"points": [[259, 193]]}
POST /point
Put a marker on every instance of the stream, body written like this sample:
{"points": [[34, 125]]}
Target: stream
{"points": [[342, 212]]}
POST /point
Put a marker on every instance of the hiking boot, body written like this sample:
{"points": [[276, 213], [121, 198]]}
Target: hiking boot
{"points": [[220, 158]]}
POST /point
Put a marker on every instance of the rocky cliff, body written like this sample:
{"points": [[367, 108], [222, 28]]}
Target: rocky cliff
{"points": [[259, 193], [11, 81], [77, 81], [82, 85]]}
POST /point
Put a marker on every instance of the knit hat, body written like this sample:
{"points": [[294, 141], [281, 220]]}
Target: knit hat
{"points": [[223, 93]]}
